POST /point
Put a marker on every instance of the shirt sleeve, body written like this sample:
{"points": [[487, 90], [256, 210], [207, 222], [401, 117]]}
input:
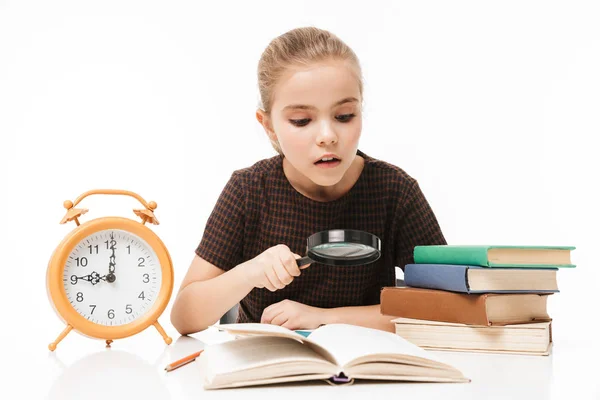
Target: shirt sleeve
{"points": [[416, 224], [222, 242]]}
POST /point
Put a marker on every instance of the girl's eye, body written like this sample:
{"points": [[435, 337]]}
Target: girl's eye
{"points": [[345, 117], [306, 121], [300, 122]]}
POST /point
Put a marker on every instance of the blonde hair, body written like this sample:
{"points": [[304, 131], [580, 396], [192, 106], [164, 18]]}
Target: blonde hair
{"points": [[299, 47]]}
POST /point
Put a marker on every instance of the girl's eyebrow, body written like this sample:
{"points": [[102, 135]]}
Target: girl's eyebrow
{"points": [[307, 107]]}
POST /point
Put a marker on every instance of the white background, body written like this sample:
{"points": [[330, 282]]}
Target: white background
{"points": [[492, 106]]}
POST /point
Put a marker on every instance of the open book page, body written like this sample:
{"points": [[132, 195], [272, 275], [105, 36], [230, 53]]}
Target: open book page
{"points": [[258, 358], [256, 329], [351, 344], [267, 354]]}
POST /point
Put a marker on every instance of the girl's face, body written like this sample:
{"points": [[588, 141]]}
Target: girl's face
{"points": [[316, 119]]}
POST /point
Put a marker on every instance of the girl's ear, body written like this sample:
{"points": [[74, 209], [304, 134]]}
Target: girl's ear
{"points": [[265, 121]]}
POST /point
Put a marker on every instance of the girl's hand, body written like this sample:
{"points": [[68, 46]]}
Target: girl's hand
{"points": [[274, 268], [293, 315]]}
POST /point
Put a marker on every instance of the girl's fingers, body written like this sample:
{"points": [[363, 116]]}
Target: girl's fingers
{"points": [[268, 315], [280, 319], [283, 274], [274, 279]]}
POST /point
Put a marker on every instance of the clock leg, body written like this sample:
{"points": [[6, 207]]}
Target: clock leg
{"points": [[52, 346], [162, 332], [108, 342]]}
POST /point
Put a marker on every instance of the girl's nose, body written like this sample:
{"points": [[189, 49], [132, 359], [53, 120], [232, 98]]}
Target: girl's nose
{"points": [[326, 134]]}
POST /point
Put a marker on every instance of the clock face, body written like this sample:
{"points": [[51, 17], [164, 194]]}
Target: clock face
{"points": [[112, 277]]}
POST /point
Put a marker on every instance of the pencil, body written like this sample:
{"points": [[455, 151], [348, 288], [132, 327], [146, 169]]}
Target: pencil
{"points": [[183, 361]]}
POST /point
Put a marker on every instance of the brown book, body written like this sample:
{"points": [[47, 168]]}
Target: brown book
{"points": [[484, 309]]}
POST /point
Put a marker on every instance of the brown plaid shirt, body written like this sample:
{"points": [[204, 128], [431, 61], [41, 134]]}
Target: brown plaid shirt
{"points": [[259, 208]]}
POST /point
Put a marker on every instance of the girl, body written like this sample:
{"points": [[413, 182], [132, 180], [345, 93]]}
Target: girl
{"points": [[311, 91]]}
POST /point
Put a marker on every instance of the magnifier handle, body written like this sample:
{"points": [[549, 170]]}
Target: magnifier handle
{"points": [[303, 261]]}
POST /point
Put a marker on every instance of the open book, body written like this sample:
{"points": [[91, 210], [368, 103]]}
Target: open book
{"points": [[338, 353]]}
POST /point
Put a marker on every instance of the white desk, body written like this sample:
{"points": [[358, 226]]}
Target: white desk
{"points": [[133, 368]]}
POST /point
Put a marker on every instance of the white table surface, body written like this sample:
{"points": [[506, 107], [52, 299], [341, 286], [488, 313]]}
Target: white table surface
{"points": [[83, 368]]}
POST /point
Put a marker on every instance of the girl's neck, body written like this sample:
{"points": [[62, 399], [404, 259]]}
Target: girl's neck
{"points": [[324, 193]]}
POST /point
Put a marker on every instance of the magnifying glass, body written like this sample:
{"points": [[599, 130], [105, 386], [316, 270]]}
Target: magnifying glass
{"points": [[345, 247]]}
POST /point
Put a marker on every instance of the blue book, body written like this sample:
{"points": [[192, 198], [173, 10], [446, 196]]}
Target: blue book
{"points": [[477, 279]]}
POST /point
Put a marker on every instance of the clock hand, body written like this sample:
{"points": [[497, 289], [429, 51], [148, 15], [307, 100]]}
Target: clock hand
{"points": [[93, 278], [111, 263]]}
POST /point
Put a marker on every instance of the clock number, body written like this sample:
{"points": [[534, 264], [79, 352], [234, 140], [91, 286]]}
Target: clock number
{"points": [[141, 262], [110, 244], [129, 249], [73, 279], [146, 278], [128, 309], [79, 297], [81, 261], [111, 313], [93, 308], [141, 296], [92, 247]]}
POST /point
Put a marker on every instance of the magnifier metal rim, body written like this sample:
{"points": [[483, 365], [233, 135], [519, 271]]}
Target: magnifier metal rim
{"points": [[344, 236], [348, 261]]}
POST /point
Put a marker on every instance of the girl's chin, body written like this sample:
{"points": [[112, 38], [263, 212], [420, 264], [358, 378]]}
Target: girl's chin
{"points": [[321, 180]]}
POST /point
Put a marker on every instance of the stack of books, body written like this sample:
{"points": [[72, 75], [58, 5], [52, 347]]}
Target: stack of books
{"points": [[480, 298]]}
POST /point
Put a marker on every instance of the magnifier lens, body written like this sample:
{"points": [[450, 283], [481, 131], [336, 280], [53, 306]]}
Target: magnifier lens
{"points": [[342, 250]]}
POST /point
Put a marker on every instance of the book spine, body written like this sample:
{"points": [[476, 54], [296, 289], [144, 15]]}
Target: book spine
{"points": [[437, 276], [439, 254], [341, 378]]}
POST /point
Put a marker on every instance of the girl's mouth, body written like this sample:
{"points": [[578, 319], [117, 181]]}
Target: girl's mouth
{"points": [[328, 162]]}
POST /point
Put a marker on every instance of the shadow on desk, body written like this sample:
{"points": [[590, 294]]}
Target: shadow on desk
{"points": [[504, 375], [108, 374]]}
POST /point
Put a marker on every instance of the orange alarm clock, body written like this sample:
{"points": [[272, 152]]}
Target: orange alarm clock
{"points": [[110, 277]]}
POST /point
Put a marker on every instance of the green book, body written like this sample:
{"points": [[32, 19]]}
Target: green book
{"points": [[496, 256]]}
